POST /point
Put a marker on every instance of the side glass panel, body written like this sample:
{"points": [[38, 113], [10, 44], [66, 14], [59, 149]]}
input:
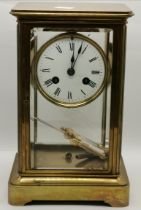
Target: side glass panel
{"points": [[83, 143]]}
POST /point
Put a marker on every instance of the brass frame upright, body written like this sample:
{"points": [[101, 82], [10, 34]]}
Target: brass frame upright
{"points": [[111, 185]]}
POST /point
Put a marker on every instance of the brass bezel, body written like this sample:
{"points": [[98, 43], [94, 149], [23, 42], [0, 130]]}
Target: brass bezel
{"points": [[62, 103]]}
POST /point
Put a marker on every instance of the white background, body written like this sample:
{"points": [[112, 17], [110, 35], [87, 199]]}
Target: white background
{"points": [[131, 149]]}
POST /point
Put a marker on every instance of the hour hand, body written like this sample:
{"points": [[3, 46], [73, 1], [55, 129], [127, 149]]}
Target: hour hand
{"points": [[72, 46], [72, 59]]}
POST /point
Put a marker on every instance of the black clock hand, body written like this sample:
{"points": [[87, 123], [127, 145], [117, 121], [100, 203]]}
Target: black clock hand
{"points": [[72, 59], [72, 48], [79, 51], [71, 70]]}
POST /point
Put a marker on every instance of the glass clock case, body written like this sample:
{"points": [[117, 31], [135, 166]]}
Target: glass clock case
{"points": [[69, 118], [71, 63]]}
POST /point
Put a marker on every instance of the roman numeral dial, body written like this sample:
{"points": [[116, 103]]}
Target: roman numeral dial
{"points": [[71, 70], [59, 48], [69, 95], [57, 91]]}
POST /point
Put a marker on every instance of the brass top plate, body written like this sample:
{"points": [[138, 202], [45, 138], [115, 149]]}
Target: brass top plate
{"points": [[96, 9]]}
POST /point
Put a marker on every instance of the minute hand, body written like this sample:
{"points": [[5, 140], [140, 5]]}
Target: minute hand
{"points": [[79, 51]]}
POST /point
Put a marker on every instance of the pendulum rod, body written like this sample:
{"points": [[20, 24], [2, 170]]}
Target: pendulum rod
{"points": [[78, 140]]}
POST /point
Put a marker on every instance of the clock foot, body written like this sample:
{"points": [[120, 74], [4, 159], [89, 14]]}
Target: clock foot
{"points": [[113, 190]]}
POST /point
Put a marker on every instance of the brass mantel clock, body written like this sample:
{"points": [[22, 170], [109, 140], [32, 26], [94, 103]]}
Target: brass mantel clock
{"points": [[71, 60]]}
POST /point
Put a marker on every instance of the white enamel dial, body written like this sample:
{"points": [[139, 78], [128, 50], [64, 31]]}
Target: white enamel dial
{"points": [[70, 70]]}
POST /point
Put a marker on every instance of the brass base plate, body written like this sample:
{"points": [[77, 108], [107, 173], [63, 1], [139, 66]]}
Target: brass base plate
{"points": [[24, 189]]}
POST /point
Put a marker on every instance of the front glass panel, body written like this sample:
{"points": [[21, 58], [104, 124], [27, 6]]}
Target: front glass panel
{"points": [[70, 87]]}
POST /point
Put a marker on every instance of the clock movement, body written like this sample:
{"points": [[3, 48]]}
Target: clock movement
{"points": [[71, 64]]}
